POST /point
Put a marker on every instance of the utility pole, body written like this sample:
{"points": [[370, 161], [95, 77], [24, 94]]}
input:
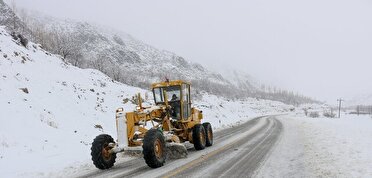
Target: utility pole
{"points": [[339, 107]]}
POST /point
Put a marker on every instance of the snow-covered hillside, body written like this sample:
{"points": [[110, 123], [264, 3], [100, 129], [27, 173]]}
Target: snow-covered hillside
{"points": [[11, 21], [129, 60], [133, 58], [239, 78], [51, 111]]}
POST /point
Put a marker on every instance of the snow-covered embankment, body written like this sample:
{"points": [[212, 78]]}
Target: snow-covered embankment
{"points": [[51, 111]]}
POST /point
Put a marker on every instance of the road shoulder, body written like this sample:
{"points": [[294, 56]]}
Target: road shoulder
{"points": [[287, 157]]}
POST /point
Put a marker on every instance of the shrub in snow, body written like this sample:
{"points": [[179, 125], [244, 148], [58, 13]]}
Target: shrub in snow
{"points": [[20, 38], [23, 40], [314, 114], [24, 90], [125, 100], [99, 127], [329, 114], [305, 111], [14, 36], [134, 99]]}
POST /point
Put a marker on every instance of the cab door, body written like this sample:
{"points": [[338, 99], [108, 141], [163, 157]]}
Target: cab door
{"points": [[186, 103]]}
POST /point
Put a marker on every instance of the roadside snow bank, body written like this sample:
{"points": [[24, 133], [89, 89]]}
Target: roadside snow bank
{"points": [[339, 147], [322, 147], [223, 113]]}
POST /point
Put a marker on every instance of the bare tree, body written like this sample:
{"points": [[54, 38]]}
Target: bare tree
{"points": [[116, 73], [100, 63], [24, 16], [14, 15]]}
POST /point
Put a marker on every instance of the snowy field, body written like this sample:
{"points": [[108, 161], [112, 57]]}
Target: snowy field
{"points": [[322, 147]]}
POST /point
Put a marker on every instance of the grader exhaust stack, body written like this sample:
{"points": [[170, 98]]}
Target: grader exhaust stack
{"points": [[160, 130]]}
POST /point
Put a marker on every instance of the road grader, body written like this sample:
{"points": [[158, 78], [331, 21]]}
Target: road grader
{"points": [[158, 129]]}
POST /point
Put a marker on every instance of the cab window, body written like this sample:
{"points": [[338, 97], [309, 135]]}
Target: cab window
{"points": [[173, 94]]}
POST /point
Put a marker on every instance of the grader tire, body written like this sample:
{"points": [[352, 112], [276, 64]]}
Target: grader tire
{"points": [[209, 134], [101, 158], [154, 150], [199, 137]]}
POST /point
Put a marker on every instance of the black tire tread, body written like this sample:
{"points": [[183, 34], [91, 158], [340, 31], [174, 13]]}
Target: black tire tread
{"points": [[207, 126], [96, 152], [198, 144], [148, 148]]}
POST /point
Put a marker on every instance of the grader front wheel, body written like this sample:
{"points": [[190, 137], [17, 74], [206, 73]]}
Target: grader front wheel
{"points": [[101, 156], [154, 150]]}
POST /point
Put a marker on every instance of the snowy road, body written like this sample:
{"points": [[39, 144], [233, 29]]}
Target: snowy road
{"points": [[237, 152]]}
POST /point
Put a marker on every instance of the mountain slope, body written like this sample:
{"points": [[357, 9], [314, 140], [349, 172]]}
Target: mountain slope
{"points": [[12, 22], [135, 63], [51, 111], [121, 56]]}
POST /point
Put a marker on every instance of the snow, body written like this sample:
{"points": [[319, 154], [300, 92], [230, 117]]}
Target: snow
{"points": [[47, 129], [54, 123], [322, 147], [135, 58], [223, 113]]}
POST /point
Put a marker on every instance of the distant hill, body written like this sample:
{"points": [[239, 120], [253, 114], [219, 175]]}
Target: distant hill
{"points": [[121, 56], [131, 61], [363, 99]]}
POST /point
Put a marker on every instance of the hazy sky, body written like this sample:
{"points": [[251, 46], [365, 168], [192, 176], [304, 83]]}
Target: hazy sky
{"points": [[321, 48]]}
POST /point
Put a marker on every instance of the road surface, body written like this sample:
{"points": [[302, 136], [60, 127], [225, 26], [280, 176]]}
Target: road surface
{"points": [[237, 152]]}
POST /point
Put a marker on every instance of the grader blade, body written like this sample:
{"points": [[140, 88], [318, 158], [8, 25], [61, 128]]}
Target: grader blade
{"points": [[176, 150]]}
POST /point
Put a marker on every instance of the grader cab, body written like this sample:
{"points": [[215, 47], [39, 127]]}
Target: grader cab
{"points": [[160, 130]]}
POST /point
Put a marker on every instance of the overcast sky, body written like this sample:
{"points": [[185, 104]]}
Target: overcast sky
{"points": [[321, 48]]}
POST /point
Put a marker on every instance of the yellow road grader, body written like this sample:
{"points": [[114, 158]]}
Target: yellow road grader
{"points": [[159, 129]]}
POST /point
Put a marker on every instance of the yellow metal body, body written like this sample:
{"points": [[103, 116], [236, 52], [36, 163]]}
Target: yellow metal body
{"points": [[159, 116]]}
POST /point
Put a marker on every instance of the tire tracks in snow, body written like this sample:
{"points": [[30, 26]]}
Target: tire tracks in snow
{"points": [[238, 159]]}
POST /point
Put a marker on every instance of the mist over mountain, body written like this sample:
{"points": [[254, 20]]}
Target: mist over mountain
{"points": [[119, 55], [361, 99], [131, 61]]}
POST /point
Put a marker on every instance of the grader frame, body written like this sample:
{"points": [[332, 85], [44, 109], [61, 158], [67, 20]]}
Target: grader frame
{"points": [[167, 124]]}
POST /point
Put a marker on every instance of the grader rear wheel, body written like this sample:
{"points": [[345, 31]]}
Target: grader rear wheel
{"points": [[209, 134], [154, 150], [199, 137], [101, 156]]}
